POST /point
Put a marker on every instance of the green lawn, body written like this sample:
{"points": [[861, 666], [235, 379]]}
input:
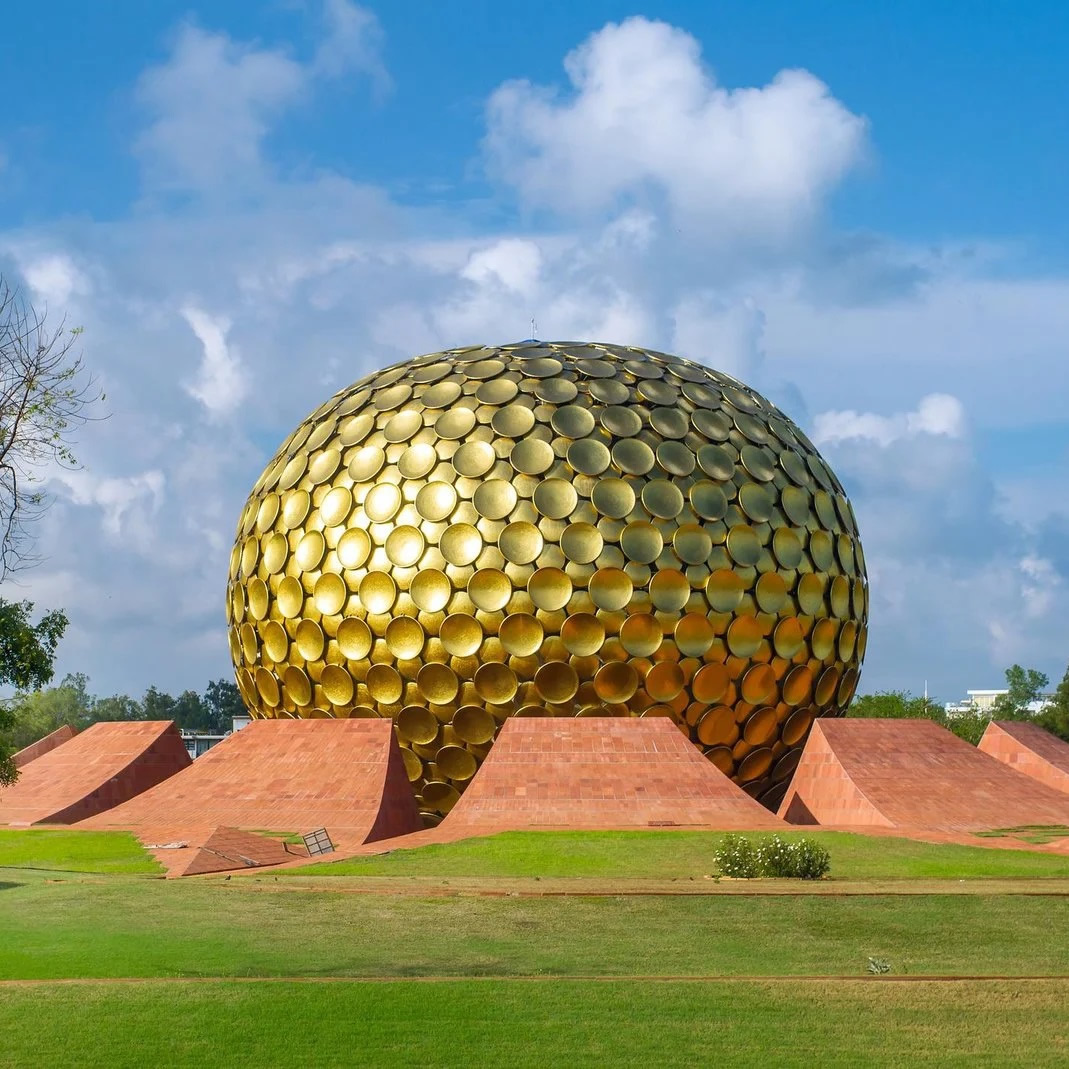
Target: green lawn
{"points": [[115, 926], [682, 854], [461, 980], [74, 851], [536, 1024]]}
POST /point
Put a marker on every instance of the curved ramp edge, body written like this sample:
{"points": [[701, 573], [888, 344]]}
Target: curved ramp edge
{"points": [[104, 766], [911, 774], [43, 746], [1030, 750], [283, 776]]}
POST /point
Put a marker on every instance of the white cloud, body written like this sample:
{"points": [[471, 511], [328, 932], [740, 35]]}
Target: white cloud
{"points": [[126, 503], [720, 332], [54, 279], [512, 263], [352, 42], [322, 281], [221, 382], [936, 414], [646, 117], [211, 104]]}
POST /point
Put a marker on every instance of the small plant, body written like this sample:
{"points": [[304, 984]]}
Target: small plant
{"points": [[776, 857], [737, 857], [879, 966]]}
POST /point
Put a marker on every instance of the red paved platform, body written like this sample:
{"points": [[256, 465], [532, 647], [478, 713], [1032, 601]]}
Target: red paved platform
{"points": [[910, 774], [225, 850], [104, 766], [43, 746], [284, 776], [1027, 748], [600, 772]]}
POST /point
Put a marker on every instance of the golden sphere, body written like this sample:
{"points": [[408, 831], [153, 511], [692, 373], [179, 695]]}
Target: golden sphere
{"points": [[550, 529]]}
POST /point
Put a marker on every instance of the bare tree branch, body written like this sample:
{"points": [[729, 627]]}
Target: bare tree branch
{"points": [[45, 395]]}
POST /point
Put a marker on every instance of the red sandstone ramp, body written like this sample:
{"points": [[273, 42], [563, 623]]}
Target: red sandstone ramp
{"points": [[910, 774], [43, 746], [600, 772], [1028, 749], [283, 775], [105, 765]]}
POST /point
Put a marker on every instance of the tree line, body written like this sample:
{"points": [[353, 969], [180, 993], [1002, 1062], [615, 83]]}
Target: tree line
{"points": [[1025, 687], [36, 713]]}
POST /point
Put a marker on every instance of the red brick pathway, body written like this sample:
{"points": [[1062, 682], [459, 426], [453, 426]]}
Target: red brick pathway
{"points": [[104, 766]]}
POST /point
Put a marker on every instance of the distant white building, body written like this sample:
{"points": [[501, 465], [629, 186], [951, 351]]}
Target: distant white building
{"points": [[981, 701]]}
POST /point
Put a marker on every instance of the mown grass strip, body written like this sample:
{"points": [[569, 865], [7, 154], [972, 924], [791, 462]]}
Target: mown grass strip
{"points": [[573, 1023], [58, 850], [122, 926], [669, 854]]}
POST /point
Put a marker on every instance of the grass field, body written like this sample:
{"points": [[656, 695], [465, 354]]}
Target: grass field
{"points": [[540, 1023], [74, 851], [123, 926], [100, 963], [682, 854]]}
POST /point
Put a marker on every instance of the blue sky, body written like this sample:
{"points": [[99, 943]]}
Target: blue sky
{"points": [[964, 99], [228, 194]]}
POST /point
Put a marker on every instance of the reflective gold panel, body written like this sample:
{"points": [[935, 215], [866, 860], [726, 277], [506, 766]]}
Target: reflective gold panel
{"points": [[550, 529]]}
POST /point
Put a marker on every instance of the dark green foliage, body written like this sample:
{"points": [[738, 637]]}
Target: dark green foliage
{"points": [[1024, 686], [737, 857], [774, 857], [896, 704], [1055, 717], [32, 714], [27, 653]]}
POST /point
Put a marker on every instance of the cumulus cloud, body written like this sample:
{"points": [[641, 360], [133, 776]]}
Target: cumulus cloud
{"points": [[212, 102], [720, 332], [221, 382], [126, 503], [646, 119], [53, 278], [305, 287], [936, 414]]}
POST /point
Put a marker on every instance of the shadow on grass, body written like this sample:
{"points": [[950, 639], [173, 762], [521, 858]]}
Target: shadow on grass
{"points": [[7, 886]]}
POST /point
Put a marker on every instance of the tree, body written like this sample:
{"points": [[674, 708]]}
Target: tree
{"points": [[45, 395], [898, 704], [1055, 717], [1025, 686], [27, 655], [223, 702], [902, 704]]}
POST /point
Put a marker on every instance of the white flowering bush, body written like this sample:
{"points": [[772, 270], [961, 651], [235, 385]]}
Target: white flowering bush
{"points": [[776, 857]]}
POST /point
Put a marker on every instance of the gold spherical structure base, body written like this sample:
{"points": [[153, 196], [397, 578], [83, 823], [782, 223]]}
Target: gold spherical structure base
{"points": [[550, 529]]}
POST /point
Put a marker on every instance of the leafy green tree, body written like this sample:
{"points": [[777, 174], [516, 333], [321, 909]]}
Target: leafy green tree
{"points": [[1024, 686], [156, 705], [1055, 717], [901, 704], [27, 655], [222, 699], [117, 707], [896, 704]]}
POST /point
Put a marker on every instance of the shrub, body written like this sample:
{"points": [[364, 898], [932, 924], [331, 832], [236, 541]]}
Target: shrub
{"points": [[797, 859], [737, 857]]}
